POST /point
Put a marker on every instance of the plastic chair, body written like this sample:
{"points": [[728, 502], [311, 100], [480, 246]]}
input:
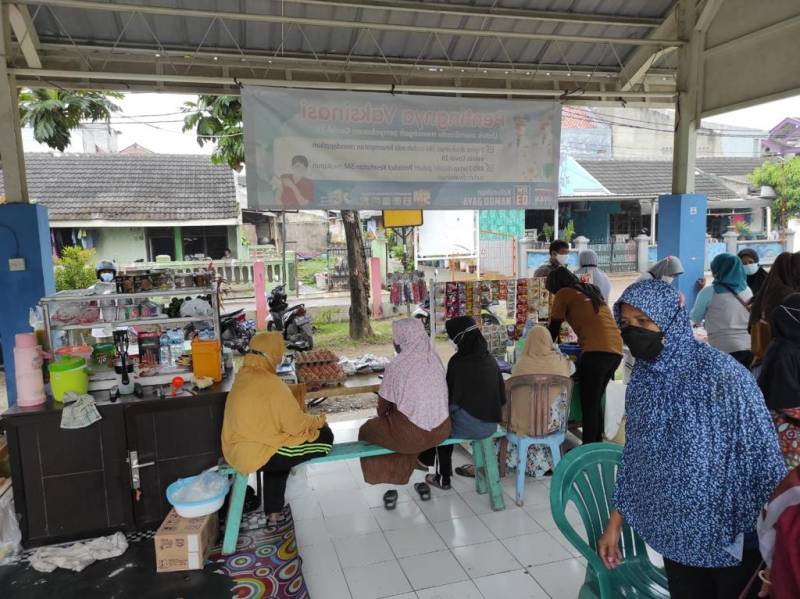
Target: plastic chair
{"points": [[541, 399], [586, 476]]}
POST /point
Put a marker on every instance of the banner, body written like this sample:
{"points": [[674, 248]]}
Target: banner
{"points": [[347, 150]]}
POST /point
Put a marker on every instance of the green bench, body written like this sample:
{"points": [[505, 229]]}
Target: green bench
{"points": [[487, 477]]}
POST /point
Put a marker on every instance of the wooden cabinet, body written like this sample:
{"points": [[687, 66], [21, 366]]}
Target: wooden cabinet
{"points": [[71, 484]]}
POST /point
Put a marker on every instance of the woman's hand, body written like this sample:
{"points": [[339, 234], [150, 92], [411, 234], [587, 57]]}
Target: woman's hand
{"points": [[608, 544]]}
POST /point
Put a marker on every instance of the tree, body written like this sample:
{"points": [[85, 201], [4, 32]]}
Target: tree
{"points": [[772, 174], [54, 113], [75, 268], [218, 120]]}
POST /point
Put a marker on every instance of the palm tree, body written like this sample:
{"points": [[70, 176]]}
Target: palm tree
{"points": [[54, 113]]}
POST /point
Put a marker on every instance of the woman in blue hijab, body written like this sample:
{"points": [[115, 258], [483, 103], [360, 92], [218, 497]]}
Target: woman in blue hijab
{"points": [[723, 307], [701, 456]]}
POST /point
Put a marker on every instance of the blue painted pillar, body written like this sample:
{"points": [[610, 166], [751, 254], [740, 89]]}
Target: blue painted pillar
{"points": [[24, 233], [682, 233]]}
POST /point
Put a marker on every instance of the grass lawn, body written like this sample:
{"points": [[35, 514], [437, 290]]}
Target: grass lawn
{"points": [[336, 336], [306, 269]]}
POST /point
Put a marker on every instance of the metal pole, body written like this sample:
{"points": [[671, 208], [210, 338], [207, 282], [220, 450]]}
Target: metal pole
{"points": [[783, 200], [284, 278]]}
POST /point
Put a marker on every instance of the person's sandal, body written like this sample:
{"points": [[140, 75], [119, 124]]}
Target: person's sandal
{"points": [[390, 499], [436, 481], [467, 471], [423, 490]]}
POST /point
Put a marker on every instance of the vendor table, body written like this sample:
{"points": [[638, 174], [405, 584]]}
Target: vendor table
{"points": [[359, 383]]}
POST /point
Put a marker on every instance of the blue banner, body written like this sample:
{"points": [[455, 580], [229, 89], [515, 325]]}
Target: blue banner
{"points": [[348, 150]]}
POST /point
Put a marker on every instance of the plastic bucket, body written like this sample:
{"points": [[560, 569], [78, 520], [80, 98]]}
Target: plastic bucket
{"points": [[69, 373]]}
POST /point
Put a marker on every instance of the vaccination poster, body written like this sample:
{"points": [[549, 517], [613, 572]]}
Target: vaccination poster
{"points": [[322, 150]]}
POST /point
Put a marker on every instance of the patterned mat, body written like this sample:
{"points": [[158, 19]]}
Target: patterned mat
{"points": [[266, 562]]}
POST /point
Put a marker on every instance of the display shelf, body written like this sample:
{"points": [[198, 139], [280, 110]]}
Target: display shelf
{"points": [[134, 322], [67, 297]]}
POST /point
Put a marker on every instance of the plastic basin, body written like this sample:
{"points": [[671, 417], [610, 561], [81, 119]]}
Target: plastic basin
{"points": [[194, 509]]}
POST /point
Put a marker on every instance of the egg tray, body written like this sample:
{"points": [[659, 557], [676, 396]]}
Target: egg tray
{"points": [[316, 376], [316, 356]]}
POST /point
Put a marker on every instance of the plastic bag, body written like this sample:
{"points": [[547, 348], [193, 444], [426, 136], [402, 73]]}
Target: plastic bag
{"points": [[206, 486], [10, 535]]}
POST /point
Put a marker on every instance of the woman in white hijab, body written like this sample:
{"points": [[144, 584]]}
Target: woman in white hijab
{"points": [[588, 261]]}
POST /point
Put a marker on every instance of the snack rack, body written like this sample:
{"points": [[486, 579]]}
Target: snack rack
{"points": [[116, 310]]}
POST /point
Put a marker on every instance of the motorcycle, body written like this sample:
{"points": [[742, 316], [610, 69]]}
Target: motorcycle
{"points": [[236, 330], [423, 312], [294, 322]]}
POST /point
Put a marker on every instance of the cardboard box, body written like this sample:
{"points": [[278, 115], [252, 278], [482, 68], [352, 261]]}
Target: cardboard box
{"points": [[182, 543]]}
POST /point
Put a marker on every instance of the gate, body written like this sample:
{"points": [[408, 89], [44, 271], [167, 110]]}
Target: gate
{"points": [[339, 267], [615, 256]]}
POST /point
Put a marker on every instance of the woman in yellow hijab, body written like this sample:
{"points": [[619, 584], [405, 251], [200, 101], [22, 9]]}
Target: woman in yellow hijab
{"points": [[264, 428]]}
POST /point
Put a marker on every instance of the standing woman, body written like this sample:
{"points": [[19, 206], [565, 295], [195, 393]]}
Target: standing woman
{"points": [[588, 261], [780, 378], [723, 307], [756, 275], [666, 269], [584, 308], [412, 410], [700, 456], [476, 393], [783, 280]]}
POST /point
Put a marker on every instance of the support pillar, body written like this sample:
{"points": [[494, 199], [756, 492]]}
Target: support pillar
{"points": [[682, 227], [375, 286], [11, 153], [731, 238], [642, 253], [178, 233], [788, 240], [687, 111], [260, 287]]}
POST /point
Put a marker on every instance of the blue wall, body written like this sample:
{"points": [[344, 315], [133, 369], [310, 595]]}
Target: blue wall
{"points": [[20, 291], [594, 224], [682, 233]]}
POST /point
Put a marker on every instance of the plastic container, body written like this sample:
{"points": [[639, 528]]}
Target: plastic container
{"points": [[68, 373], [28, 370], [81, 351], [207, 359], [194, 509]]}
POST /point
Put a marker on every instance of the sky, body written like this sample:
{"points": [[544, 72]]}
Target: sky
{"points": [[154, 121]]}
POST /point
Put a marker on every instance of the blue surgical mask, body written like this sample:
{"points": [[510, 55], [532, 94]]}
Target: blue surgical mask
{"points": [[106, 277], [751, 269]]}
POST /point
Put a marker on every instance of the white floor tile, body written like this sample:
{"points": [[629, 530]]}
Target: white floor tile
{"points": [[511, 522], [327, 467], [351, 525], [311, 532], [485, 559], [373, 494], [338, 503], [363, 550], [305, 507], [403, 516], [376, 581], [562, 540], [464, 531], [479, 504], [438, 509], [404, 596], [537, 494], [342, 480], [319, 559], [432, 570], [510, 585], [297, 486], [457, 590], [536, 549], [542, 516], [414, 540], [327, 586], [561, 580]]}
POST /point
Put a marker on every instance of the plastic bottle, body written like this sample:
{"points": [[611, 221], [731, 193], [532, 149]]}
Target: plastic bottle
{"points": [[165, 352], [176, 346]]}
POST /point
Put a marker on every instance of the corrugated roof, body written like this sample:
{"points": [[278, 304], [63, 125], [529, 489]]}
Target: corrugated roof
{"points": [[157, 187], [737, 168]]}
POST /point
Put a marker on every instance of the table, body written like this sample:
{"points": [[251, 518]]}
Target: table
{"points": [[359, 383]]}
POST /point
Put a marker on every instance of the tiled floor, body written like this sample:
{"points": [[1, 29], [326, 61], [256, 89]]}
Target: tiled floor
{"points": [[451, 547]]}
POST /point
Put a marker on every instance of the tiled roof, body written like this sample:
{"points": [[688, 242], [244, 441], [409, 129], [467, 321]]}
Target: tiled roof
{"points": [[648, 178], [577, 118], [156, 187], [736, 168]]}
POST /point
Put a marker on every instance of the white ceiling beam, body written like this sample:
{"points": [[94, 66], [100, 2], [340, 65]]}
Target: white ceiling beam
{"points": [[635, 69], [25, 32], [707, 13], [344, 24]]}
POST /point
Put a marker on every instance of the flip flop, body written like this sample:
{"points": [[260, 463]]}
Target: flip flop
{"points": [[424, 491], [390, 499], [467, 471], [436, 481]]}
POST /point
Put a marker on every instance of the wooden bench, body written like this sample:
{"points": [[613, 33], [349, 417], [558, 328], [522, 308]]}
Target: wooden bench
{"points": [[487, 477]]}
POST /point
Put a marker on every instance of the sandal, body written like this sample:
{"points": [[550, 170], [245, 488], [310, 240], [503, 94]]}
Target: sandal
{"points": [[468, 471], [438, 482], [423, 490], [390, 499]]}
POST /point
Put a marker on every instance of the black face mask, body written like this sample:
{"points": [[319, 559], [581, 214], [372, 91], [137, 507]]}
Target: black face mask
{"points": [[643, 343]]}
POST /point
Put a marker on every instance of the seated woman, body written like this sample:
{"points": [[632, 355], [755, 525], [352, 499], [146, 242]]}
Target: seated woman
{"points": [[264, 428], [476, 392], [412, 410], [539, 356]]}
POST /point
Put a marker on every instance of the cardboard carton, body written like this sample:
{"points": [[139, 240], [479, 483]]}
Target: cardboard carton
{"points": [[182, 543]]}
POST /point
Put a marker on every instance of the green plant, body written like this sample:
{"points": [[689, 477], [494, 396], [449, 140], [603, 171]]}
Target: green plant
{"points": [[775, 174], [53, 113], [742, 228], [326, 316], [75, 269], [307, 269], [547, 229], [218, 120], [569, 231], [244, 241]]}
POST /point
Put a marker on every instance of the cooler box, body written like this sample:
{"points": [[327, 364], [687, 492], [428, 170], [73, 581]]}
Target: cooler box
{"points": [[207, 359]]}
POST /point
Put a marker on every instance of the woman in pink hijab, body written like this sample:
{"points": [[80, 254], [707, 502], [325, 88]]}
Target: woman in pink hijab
{"points": [[412, 410]]}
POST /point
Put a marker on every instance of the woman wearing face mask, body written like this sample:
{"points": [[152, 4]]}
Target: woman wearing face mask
{"points": [[756, 275], [723, 307], [584, 308], [476, 394], [412, 410], [700, 456], [666, 269], [780, 378]]}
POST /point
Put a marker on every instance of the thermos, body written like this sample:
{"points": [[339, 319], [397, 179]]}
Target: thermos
{"points": [[28, 370]]}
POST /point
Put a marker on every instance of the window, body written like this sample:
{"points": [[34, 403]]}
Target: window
{"points": [[205, 242], [160, 242]]}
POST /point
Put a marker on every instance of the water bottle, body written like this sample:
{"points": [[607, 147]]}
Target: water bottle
{"points": [[164, 343], [177, 346]]}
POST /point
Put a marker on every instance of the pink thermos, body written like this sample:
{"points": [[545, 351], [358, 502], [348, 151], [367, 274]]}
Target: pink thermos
{"points": [[28, 370]]}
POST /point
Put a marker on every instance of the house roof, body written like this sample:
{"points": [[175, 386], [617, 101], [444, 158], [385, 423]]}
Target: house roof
{"points": [[118, 187]]}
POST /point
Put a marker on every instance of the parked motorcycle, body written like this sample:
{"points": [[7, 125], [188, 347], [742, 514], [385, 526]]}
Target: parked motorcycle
{"points": [[236, 330], [423, 312], [294, 322]]}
